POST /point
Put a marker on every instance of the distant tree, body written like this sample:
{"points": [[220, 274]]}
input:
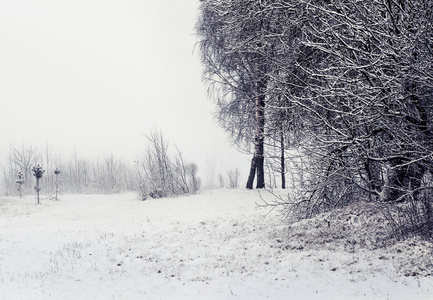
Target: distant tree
{"points": [[141, 183], [195, 181], [163, 174], [211, 174], [57, 172], [221, 180], [234, 176], [20, 160], [38, 173], [20, 182]]}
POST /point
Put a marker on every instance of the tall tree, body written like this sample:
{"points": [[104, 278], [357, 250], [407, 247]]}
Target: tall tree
{"points": [[238, 41], [229, 64], [365, 97]]}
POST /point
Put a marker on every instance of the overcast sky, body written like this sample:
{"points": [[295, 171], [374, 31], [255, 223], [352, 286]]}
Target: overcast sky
{"points": [[96, 75]]}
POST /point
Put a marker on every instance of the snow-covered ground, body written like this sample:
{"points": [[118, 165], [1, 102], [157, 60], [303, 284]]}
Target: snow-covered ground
{"points": [[214, 245]]}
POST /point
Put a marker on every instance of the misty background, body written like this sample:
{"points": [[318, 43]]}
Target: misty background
{"points": [[93, 77]]}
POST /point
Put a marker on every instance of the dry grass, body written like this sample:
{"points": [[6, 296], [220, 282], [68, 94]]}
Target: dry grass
{"points": [[358, 227]]}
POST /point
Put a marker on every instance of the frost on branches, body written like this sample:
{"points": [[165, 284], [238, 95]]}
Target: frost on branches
{"points": [[337, 94], [161, 174]]}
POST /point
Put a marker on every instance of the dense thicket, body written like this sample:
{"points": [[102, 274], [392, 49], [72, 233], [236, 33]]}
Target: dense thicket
{"points": [[348, 84]]}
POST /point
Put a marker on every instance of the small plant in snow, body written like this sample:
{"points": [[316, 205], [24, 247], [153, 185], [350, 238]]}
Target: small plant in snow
{"points": [[38, 173], [20, 182]]}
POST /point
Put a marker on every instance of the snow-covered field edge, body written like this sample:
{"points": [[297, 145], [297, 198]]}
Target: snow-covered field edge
{"points": [[215, 245]]}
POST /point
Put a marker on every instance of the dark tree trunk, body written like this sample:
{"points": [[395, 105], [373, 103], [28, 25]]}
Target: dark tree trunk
{"points": [[283, 170], [252, 172], [257, 163], [37, 188], [260, 173]]}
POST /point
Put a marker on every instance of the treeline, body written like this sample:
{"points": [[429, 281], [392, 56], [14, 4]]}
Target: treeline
{"points": [[346, 86], [156, 172], [77, 174]]}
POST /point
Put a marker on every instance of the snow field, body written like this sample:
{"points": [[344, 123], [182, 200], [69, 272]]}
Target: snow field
{"points": [[215, 245]]}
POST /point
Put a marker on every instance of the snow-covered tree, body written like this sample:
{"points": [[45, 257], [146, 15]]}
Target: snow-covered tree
{"points": [[38, 172], [348, 84], [234, 53]]}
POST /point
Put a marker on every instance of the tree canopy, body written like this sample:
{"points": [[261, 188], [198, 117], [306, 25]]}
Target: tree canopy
{"points": [[348, 84]]}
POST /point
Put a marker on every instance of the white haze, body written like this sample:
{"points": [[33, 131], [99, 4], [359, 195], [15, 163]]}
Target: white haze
{"points": [[93, 76]]}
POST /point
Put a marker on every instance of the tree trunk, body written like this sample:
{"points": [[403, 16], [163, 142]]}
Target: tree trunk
{"points": [[252, 172], [283, 170], [37, 188], [260, 173], [257, 163]]}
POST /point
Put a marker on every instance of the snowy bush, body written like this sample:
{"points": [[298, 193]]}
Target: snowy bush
{"points": [[161, 174]]}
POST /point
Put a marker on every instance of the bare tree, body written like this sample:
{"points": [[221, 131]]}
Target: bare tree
{"points": [[20, 160], [195, 181], [234, 176], [162, 174], [236, 47]]}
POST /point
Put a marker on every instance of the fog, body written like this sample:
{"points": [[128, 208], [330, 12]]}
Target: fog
{"points": [[95, 76]]}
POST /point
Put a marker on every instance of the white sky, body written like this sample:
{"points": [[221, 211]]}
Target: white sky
{"points": [[96, 75]]}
